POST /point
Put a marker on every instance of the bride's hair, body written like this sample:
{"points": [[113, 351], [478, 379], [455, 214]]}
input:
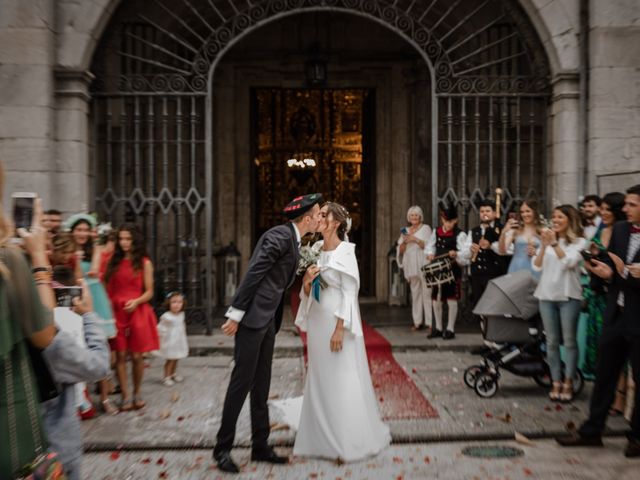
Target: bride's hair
{"points": [[340, 214]]}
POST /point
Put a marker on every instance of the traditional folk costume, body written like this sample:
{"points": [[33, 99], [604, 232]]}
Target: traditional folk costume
{"points": [[441, 244]]}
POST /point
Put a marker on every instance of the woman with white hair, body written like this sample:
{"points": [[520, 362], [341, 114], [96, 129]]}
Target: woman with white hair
{"points": [[411, 258]]}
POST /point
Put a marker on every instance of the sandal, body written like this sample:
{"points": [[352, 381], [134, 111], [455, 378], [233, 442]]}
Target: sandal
{"points": [[126, 405], [109, 408], [567, 393], [556, 390], [138, 403]]}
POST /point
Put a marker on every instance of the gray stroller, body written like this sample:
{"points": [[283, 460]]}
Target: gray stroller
{"points": [[512, 326]]}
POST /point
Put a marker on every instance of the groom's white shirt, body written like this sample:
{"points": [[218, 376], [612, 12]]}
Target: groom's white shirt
{"points": [[235, 314]]}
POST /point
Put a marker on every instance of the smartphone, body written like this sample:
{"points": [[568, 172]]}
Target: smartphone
{"points": [[587, 255], [404, 231], [65, 295], [23, 203]]}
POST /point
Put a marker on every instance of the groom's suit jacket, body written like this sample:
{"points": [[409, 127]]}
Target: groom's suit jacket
{"points": [[271, 272]]}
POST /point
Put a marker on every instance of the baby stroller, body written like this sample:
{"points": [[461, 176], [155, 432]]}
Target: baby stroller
{"points": [[512, 327]]}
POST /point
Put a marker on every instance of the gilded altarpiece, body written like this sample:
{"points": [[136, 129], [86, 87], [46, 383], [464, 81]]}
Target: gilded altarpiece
{"points": [[315, 140]]}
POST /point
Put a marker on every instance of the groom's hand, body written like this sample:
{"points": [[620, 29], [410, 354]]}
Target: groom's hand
{"points": [[230, 327]]}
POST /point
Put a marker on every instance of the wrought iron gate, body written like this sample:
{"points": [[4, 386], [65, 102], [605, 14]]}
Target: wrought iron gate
{"points": [[488, 89]]}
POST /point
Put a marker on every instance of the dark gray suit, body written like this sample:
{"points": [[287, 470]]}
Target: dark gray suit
{"points": [[261, 293]]}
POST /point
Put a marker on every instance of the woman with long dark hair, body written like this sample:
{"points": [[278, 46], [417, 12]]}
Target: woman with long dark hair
{"points": [[129, 279], [82, 226]]}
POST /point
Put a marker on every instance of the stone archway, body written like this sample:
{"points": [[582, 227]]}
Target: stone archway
{"points": [[153, 93]]}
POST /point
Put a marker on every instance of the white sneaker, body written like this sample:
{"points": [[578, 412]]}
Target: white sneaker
{"points": [[177, 378], [168, 382]]}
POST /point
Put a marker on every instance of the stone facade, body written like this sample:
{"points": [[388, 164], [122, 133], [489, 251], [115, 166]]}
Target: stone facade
{"points": [[47, 46]]}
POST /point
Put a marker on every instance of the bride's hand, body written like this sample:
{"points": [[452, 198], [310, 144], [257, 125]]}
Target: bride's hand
{"points": [[312, 272], [336, 340]]}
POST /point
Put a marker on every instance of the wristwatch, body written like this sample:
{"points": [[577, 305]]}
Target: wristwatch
{"points": [[48, 269]]}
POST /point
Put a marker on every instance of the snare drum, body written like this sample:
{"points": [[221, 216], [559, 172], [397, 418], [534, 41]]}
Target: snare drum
{"points": [[438, 272]]}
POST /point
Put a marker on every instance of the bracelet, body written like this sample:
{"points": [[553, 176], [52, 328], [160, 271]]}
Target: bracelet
{"points": [[48, 269], [43, 282], [42, 277], [554, 245]]}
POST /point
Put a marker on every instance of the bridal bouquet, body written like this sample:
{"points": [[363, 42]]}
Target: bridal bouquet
{"points": [[309, 255]]}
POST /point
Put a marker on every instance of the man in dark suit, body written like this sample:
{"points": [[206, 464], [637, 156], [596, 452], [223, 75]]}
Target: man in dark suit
{"points": [[620, 338], [254, 317]]}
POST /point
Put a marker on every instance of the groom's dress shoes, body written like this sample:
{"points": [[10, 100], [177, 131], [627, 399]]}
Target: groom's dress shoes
{"points": [[633, 449], [434, 333], [576, 440], [268, 456], [225, 462]]}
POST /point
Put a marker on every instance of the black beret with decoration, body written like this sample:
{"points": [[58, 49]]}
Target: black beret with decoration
{"points": [[300, 205], [448, 212]]}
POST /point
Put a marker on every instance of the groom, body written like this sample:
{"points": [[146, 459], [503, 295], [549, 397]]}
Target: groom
{"points": [[254, 317]]}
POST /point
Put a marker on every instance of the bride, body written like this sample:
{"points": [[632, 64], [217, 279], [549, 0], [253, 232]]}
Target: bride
{"points": [[339, 418]]}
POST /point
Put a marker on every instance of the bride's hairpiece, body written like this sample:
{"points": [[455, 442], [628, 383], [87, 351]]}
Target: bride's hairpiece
{"points": [[349, 222]]}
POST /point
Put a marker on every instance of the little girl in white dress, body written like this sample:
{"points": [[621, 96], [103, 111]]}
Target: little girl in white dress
{"points": [[173, 337]]}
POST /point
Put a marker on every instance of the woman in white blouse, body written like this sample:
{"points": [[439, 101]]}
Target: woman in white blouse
{"points": [[411, 258], [560, 295]]}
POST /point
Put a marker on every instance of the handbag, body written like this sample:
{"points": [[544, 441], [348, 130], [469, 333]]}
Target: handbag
{"points": [[47, 387], [44, 467]]}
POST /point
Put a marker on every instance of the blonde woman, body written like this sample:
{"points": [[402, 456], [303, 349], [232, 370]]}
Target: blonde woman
{"points": [[411, 258], [520, 237], [560, 294]]}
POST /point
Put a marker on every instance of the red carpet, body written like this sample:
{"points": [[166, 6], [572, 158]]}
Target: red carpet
{"points": [[398, 396]]}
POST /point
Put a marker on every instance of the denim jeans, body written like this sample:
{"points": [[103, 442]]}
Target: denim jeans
{"points": [[560, 320]]}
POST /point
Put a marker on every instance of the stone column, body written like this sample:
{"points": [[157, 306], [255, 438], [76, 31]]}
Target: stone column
{"points": [[26, 96], [71, 181], [563, 152]]}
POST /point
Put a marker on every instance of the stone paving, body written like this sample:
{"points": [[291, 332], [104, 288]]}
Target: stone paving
{"points": [[187, 415], [542, 460]]}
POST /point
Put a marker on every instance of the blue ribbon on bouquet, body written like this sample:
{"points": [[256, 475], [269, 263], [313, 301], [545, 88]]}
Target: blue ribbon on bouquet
{"points": [[316, 286]]}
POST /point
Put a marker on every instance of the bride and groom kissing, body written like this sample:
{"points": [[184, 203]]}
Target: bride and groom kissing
{"points": [[340, 418]]}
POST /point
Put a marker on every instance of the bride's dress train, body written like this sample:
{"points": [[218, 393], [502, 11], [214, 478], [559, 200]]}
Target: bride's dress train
{"points": [[339, 417]]}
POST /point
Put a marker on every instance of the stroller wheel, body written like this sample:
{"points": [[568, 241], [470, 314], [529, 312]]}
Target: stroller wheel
{"points": [[543, 380], [486, 385], [471, 373]]}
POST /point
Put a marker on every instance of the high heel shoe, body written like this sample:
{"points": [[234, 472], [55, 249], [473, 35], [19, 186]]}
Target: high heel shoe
{"points": [[566, 396], [556, 390]]}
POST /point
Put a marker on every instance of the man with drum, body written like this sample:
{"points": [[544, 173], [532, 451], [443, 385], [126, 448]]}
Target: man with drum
{"points": [[447, 247], [482, 250]]}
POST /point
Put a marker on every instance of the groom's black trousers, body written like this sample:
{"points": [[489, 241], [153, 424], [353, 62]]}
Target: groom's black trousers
{"points": [[251, 373]]}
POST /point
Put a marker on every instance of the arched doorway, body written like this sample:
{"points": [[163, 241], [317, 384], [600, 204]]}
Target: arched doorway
{"points": [[482, 123]]}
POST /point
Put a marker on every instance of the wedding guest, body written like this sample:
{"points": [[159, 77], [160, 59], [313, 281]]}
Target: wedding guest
{"points": [[411, 258], [26, 319], [52, 221], [620, 339], [71, 364], [173, 337], [129, 279], [481, 250], [595, 292], [82, 227], [448, 241], [590, 214], [560, 295], [520, 237]]}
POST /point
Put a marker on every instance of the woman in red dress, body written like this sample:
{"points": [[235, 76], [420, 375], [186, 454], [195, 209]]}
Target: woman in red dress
{"points": [[129, 279]]}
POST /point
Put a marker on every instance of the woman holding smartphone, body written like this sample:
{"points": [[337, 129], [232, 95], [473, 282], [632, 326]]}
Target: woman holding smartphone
{"points": [[411, 258], [521, 237], [560, 295]]}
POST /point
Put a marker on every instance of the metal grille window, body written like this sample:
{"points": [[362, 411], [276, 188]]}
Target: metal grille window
{"points": [[484, 108]]}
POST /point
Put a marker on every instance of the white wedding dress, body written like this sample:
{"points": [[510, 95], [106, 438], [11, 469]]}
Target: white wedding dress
{"points": [[340, 417]]}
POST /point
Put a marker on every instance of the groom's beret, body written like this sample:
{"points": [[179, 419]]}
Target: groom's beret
{"points": [[299, 205]]}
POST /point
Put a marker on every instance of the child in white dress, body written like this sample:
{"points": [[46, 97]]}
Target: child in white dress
{"points": [[173, 337]]}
